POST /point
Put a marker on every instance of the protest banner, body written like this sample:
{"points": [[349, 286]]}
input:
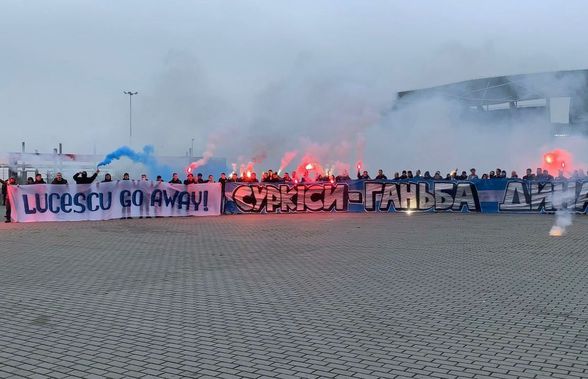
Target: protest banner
{"points": [[111, 200]]}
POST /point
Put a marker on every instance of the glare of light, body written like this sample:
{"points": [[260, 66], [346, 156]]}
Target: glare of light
{"points": [[549, 159], [556, 231], [309, 166], [409, 212], [248, 174]]}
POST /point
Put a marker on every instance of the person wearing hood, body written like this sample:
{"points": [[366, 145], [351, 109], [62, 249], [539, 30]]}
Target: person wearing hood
{"points": [[83, 178]]}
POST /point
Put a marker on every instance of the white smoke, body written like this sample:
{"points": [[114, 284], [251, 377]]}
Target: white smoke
{"points": [[563, 202]]}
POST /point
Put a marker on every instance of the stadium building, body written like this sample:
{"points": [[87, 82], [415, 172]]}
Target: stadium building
{"points": [[558, 98]]}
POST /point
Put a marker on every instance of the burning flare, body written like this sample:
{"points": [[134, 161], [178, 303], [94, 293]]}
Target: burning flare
{"points": [[557, 231], [557, 160], [563, 201]]}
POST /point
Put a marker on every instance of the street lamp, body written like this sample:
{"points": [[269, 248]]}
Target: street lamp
{"points": [[130, 93]]}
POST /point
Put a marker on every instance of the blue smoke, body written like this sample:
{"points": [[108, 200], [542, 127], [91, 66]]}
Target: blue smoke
{"points": [[145, 157]]}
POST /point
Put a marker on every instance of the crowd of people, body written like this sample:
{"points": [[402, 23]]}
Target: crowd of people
{"points": [[271, 176]]}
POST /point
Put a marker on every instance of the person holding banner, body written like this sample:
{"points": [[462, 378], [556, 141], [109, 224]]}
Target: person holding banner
{"points": [[4, 191], [9, 182], [190, 179], [175, 179], [39, 179], [59, 179], [381, 175]]}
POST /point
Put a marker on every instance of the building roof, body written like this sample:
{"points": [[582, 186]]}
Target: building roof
{"points": [[512, 88]]}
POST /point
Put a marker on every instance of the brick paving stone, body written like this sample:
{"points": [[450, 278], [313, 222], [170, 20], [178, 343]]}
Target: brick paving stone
{"points": [[324, 295]]}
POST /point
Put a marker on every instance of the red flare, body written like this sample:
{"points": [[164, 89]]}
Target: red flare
{"points": [[557, 160]]}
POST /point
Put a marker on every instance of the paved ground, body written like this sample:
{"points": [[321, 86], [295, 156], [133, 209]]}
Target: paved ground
{"points": [[344, 295]]}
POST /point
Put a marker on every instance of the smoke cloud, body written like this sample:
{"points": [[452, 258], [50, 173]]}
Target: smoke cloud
{"points": [[563, 202], [145, 157]]}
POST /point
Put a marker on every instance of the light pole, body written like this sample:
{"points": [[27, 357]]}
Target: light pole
{"points": [[130, 93], [192, 149]]}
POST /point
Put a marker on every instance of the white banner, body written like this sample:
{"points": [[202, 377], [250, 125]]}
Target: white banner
{"points": [[111, 200]]}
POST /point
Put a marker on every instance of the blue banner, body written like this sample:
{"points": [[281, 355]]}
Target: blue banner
{"points": [[485, 196]]}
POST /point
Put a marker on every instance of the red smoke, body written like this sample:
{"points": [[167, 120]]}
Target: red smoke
{"points": [[286, 159], [557, 160], [309, 168]]}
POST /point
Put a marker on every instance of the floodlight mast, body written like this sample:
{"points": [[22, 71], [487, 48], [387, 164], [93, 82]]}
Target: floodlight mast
{"points": [[130, 93]]}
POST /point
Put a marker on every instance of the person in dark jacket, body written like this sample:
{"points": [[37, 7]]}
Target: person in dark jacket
{"points": [[363, 176], [190, 179], [30, 180], [83, 178], [381, 175], [175, 179], [107, 178], [59, 179], [223, 179], [4, 191], [39, 179], [9, 182], [529, 175]]}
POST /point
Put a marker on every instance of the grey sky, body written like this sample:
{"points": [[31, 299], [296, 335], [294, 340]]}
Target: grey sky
{"points": [[251, 68]]}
